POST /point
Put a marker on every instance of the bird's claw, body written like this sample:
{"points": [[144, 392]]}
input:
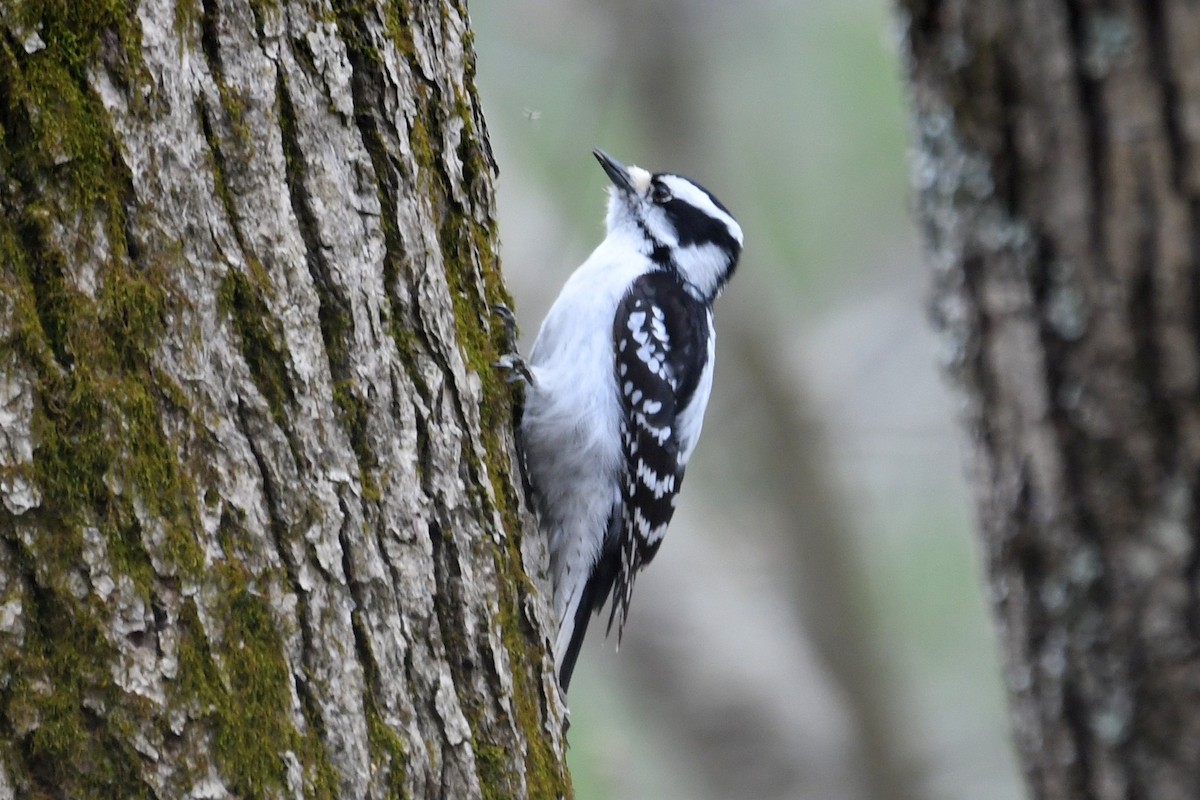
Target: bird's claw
{"points": [[511, 362], [515, 367], [509, 319]]}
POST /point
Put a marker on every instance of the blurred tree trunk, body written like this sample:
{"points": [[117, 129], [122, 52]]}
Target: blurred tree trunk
{"points": [[1058, 174], [258, 530]]}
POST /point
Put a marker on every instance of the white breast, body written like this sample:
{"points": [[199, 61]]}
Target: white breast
{"points": [[571, 423]]}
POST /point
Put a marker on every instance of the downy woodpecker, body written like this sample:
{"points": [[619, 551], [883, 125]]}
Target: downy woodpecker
{"points": [[618, 380]]}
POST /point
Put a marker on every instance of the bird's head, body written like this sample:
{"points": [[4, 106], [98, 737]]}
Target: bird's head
{"points": [[675, 221]]}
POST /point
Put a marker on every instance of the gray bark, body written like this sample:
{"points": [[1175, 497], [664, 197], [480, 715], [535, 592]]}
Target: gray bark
{"points": [[1058, 184], [259, 535]]}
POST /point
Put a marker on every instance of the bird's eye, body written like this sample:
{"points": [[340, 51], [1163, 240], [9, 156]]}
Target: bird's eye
{"points": [[660, 193]]}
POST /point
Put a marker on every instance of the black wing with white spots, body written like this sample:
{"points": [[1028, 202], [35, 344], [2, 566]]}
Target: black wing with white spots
{"points": [[660, 339]]}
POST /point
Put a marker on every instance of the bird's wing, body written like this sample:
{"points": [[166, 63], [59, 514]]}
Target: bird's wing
{"points": [[660, 341]]}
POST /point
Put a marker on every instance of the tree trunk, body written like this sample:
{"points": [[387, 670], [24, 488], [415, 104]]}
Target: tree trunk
{"points": [[259, 535], [1058, 182]]}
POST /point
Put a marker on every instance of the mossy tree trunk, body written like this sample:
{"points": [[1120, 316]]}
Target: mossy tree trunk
{"points": [[1058, 173], [259, 535]]}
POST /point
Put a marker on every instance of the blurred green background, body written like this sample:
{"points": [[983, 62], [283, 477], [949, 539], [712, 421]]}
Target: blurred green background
{"points": [[814, 625]]}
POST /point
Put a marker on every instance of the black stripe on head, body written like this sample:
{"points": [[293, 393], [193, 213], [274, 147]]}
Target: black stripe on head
{"points": [[693, 226], [660, 254]]}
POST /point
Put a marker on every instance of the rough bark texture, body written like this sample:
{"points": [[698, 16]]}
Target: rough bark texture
{"points": [[1057, 167], [258, 530]]}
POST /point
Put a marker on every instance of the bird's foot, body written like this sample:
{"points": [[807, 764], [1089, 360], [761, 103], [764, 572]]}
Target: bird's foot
{"points": [[511, 362], [515, 369]]}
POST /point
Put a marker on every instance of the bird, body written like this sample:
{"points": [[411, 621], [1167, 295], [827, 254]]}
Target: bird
{"points": [[617, 382]]}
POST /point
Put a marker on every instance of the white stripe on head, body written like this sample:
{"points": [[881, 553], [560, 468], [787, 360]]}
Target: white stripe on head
{"points": [[695, 196]]}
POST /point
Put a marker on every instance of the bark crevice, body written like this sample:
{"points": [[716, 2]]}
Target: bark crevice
{"points": [[1094, 120]]}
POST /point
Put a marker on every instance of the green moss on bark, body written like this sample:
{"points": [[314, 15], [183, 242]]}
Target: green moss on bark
{"points": [[252, 696], [244, 299], [388, 752], [475, 282], [69, 718], [476, 285], [102, 458], [239, 683], [469, 250]]}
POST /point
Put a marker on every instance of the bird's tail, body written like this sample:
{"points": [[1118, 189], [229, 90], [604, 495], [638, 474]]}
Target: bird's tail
{"points": [[578, 596], [572, 627]]}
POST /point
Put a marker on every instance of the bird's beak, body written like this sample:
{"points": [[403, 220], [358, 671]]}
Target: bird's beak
{"points": [[617, 171]]}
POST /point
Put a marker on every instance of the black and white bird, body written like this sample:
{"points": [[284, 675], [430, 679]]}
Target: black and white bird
{"points": [[619, 377]]}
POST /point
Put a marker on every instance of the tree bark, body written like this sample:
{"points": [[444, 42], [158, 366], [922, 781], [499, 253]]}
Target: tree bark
{"points": [[259, 535], [1058, 182]]}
